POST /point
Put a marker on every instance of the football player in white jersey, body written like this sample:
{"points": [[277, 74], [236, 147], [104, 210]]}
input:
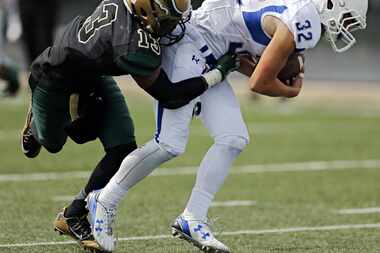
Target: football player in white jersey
{"points": [[271, 29]]}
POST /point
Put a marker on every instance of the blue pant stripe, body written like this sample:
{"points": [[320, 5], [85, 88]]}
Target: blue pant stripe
{"points": [[160, 112], [204, 49]]}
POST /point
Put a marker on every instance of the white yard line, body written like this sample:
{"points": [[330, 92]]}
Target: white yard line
{"points": [[359, 210], [233, 203], [231, 233], [45, 176], [245, 169], [303, 229]]}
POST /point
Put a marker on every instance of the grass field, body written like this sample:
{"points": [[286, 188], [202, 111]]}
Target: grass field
{"points": [[308, 159]]}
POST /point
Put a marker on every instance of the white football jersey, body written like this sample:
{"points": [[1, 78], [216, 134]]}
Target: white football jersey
{"points": [[236, 25]]}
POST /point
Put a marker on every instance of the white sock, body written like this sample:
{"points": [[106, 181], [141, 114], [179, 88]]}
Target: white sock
{"points": [[198, 205], [112, 194], [212, 172], [81, 195], [136, 166]]}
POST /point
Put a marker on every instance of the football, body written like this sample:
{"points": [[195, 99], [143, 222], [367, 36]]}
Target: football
{"points": [[293, 67], [247, 64]]}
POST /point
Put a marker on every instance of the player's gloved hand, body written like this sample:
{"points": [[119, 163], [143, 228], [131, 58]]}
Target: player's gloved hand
{"points": [[227, 64]]}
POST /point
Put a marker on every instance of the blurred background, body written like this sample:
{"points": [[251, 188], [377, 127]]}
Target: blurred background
{"points": [[320, 61], [309, 161]]}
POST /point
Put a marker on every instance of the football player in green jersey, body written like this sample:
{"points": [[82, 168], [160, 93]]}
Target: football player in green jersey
{"points": [[73, 93]]}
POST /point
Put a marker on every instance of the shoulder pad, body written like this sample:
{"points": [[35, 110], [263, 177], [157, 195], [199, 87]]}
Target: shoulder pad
{"points": [[305, 24]]}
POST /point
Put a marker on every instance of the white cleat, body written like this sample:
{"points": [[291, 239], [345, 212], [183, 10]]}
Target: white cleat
{"points": [[197, 233], [101, 219]]}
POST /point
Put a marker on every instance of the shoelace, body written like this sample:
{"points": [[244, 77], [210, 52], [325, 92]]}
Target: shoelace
{"points": [[82, 229], [28, 135]]}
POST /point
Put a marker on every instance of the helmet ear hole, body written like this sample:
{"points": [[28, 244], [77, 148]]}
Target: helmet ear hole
{"points": [[330, 4]]}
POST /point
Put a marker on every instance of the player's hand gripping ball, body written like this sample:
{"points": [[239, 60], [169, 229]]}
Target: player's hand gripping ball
{"points": [[294, 68]]}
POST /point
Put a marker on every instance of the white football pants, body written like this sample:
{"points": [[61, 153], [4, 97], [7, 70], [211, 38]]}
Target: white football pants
{"points": [[219, 108], [220, 113]]}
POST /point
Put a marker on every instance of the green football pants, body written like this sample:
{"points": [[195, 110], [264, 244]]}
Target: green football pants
{"points": [[51, 113]]}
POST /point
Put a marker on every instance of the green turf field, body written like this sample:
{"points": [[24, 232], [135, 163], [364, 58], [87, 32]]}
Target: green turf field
{"points": [[307, 160]]}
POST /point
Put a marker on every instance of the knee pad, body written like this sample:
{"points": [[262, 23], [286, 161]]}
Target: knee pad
{"points": [[150, 155], [52, 146], [233, 141], [53, 149], [172, 150]]}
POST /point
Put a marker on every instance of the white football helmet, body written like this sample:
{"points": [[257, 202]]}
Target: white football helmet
{"points": [[340, 18]]}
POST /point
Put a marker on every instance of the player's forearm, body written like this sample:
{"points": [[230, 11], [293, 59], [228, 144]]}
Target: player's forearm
{"points": [[274, 88], [175, 95]]}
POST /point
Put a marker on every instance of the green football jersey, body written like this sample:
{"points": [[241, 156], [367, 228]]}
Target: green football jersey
{"points": [[107, 43]]}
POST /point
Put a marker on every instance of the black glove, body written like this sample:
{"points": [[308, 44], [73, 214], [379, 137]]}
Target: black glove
{"points": [[86, 127]]}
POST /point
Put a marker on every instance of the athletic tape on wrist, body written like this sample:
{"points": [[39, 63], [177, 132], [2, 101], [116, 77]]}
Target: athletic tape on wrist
{"points": [[213, 77]]}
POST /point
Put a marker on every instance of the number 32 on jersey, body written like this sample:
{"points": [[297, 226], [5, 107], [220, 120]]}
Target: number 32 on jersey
{"points": [[304, 31]]}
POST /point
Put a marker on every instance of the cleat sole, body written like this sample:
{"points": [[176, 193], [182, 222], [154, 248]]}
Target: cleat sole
{"points": [[28, 121], [180, 235], [59, 231]]}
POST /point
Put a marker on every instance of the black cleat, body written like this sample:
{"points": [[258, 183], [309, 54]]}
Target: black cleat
{"points": [[29, 145], [79, 229]]}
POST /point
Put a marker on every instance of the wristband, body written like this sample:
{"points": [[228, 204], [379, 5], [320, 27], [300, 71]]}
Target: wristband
{"points": [[213, 77]]}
